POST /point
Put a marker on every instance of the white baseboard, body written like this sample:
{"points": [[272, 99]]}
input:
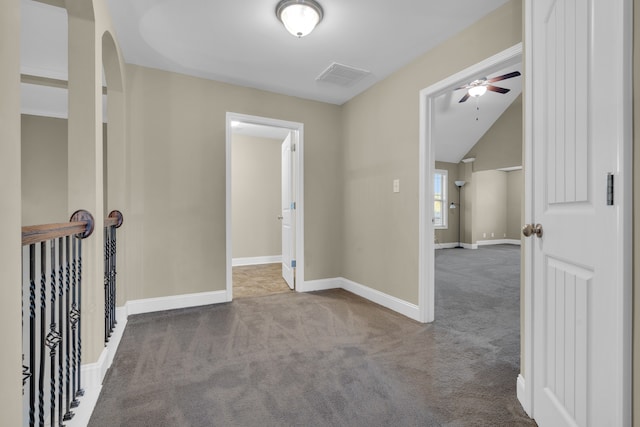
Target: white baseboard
{"points": [[318, 285], [521, 393], [449, 245], [412, 311], [173, 302], [93, 373], [405, 308], [498, 242], [237, 262]]}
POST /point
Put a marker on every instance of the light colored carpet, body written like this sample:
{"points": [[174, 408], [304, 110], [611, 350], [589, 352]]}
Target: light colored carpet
{"points": [[328, 358], [258, 280]]}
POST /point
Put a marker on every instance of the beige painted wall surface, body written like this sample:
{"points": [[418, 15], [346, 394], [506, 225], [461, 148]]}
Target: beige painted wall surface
{"points": [[256, 196], [10, 216], [44, 170], [450, 234], [489, 205], [636, 214], [515, 186], [381, 144], [501, 145], [177, 179]]}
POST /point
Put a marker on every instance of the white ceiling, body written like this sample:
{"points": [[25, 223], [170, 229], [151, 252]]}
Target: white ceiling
{"points": [[243, 43]]}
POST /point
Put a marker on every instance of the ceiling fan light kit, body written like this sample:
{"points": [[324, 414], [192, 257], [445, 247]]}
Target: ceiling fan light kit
{"points": [[299, 17], [479, 87]]}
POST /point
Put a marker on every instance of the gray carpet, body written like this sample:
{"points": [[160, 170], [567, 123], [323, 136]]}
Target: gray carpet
{"points": [[328, 358]]}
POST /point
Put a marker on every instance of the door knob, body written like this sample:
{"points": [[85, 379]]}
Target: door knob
{"points": [[530, 229], [280, 217]]}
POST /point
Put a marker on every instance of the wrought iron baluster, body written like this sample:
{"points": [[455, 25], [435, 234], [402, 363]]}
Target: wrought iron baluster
{"points": [[43, 331], [79, 390], [61, 247], [53, 338], [106, 286], [68, 414], [32, 333], [74, 316], [113, 276]]}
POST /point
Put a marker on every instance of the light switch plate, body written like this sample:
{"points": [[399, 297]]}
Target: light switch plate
{"points": [[396, 185]]}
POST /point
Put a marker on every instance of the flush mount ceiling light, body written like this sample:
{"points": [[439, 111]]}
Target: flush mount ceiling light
{"points": [[299, 17]]}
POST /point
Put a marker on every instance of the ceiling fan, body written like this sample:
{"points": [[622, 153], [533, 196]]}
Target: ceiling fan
{"points": [[479, 87]]}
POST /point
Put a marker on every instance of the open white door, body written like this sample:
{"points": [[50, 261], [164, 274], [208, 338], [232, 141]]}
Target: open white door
{"points": [[288, 213], [581, 313]]}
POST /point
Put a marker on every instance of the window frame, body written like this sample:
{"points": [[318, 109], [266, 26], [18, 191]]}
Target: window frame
{"points": [[445, 199]]}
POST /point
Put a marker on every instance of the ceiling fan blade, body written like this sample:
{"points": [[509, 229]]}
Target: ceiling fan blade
{"points": [[462, 87], [504, 77], [465, 97], [497, 89]]}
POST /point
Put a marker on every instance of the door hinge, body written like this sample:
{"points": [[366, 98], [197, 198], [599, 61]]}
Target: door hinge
{"points": [[610, 189], [293, 263], [293, 147], [293, 205]]}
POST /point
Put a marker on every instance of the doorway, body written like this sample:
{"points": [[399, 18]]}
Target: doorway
{"points": [[461, 195], [265, 234], [428, 111]]}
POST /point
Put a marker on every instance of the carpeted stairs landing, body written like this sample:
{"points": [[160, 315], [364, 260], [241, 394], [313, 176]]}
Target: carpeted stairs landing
{"points": [[327, 359]]}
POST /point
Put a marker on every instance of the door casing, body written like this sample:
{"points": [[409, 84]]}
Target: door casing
{"points": [[426, 286], [298, 158]]}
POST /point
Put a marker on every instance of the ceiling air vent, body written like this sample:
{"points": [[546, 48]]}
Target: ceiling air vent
{"points": [[341, 75]]}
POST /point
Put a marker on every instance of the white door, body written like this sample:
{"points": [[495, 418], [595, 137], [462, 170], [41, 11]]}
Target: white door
{"points": [[580, 363], [288, 213]]}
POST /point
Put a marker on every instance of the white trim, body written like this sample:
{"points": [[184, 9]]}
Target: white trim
{"points": [[498, 242], [525, 396], [319, 285], [256, 260], [426, 287], [510, 169], [173, 302], [521, 392], [93, 373], [405, 308], [449, 245], [298, 189], [453, 245]]}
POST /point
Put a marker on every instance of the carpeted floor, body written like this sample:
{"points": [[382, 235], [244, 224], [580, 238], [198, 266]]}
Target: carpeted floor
{"points": [[329, 358], [258, 280]]}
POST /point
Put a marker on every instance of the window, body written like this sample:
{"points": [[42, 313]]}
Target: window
{"points": [[440, 206]]}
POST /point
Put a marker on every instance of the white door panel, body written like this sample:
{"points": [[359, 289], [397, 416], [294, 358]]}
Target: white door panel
{"points": [[288, 211], [578, 282]]}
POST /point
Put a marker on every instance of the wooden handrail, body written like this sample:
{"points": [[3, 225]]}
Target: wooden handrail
{"points": [[40, 233], [81, 225]]}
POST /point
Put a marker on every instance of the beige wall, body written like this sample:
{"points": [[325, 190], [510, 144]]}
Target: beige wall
{"points": [[489, 205], [636, 214], [44, 170], [450, 234], [176, 222], [515, 186], [10, 216], [501, 145], [256, 188], [380, 143]]}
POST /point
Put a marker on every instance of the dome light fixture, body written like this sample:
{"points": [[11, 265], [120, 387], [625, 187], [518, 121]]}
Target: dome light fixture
{"points": [[299, 17], [477, 91]]}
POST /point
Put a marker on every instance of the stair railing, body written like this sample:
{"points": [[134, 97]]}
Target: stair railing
{"points": [[52, 326]]}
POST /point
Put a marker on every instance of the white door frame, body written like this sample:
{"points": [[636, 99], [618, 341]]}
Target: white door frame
{"points": [[426, 253], [298, 177]]}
